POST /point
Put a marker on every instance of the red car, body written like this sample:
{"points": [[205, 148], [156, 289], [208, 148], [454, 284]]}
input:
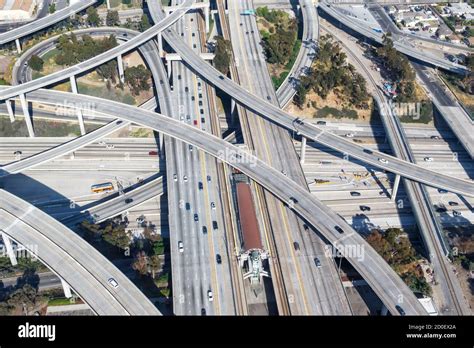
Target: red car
{"points": [[153, 153], [195, 122]]}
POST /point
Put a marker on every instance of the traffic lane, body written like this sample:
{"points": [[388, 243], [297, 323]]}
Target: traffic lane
{"points": [[130, 298], [99, 59], [314, 211], [265, 109]]}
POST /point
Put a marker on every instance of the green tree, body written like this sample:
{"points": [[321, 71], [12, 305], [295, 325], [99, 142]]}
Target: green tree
{"points": [[300, 96], [144, 23], [36, 63], [137, 79], [52, 8], [93, 18], [222, 54], [112, 19]]}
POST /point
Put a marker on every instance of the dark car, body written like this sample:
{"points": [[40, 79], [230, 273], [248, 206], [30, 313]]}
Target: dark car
{"points": [[196, 217], [129, 200], [218, 259], [204, 229], [452, 203], [317, 262], [214, 225], [441, 209], [17, 153], [193, 98], [296, 246], [200, 185], [186, 89], [442, 191], [179, 77], [188, 206], [456, 213], [364, 208], [338, 229], [400, 310], [203, 311], [203, 120], [355, 193], [321, 123], [268, 97], [221, 77]]}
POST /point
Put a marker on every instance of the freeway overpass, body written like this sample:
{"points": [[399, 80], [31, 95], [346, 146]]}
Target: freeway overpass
{"points": [[44, 22], [113, 53], [368, 32], [79, 264], [383, 280]]}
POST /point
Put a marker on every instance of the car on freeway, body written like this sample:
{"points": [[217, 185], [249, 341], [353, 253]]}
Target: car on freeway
{"points": [[190, 148], [153, 153], [113, 283], [268, 97], [349, 135], [187, 206], [195, 122], [208, 178], [181, 118], [179, 77], [200, 185], [284, 173], [214, 225], [383, 160], [434, 137], [338, 229], [129, 200], [441, 209], [456, 213], [175, 177], [296, 246], [210, 297], [400, 310], [188, 117], [452, 203], [321, 123], [18, 153], [203, 120], [186, 89], [221, 77], [204, 229], [428, 159], [442, 191], [317, 262], [355, 193], [203, 311], [185, 178], [196, 217], [364, 208], [193, 98], [109, 146], [218, 259], [180, 246], [213, 205]]}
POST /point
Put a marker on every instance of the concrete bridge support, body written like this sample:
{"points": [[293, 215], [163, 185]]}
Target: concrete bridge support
{"points": [[8, 103], [66, 289], [10, 252], [18, 45], [120, 68], [395, 187], [303, 150], [80, 116], [26, 113]]}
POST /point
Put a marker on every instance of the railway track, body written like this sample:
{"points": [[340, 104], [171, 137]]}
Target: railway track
{"points": [[421, 197]]}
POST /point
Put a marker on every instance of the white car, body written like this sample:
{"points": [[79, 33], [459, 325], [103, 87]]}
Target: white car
{"points": [[428, 159], [110, 146], [185, 178], [210, 296], [284, 173], [180, 246], [349, 135], [113, 283], [175, 177], [383, 160]]}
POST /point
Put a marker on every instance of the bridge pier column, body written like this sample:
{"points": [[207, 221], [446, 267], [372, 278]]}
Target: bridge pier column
{"points": [[26, 113], [169, 64], [108, 4], [8, 103], [120, 68], [18, 45], [66, 289], [10, 252], [161, 140], [303, 150], [232, 106], [383, 310], [395, 187], [80, 116], [160, 44]]}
